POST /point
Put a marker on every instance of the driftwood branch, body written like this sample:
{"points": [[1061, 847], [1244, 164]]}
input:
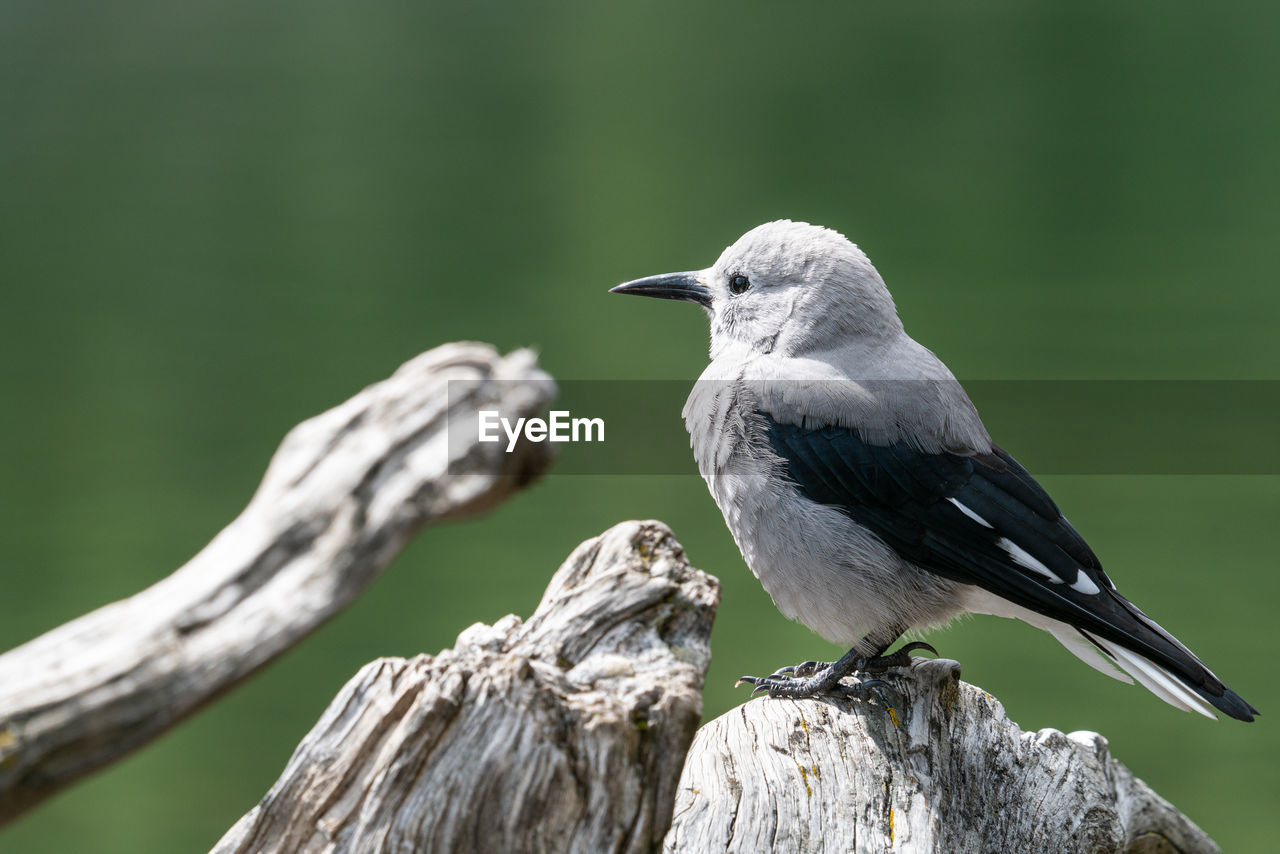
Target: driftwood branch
{"points": [[940, 770], [342, 496], [565, 733]]}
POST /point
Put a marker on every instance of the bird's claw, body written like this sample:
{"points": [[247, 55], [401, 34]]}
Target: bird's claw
{"points": [[779, 684], [803, 669], [898, 658], [760, 684], [888, 695]]}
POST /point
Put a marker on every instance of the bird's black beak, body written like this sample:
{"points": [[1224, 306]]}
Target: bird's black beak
{"points": [[681, 286]]}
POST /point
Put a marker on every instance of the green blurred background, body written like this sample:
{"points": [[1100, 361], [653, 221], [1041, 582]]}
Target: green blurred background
{"points": [[217, 219]]}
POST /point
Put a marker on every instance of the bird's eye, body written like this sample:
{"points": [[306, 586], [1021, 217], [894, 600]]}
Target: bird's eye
{"points": [[738, 283]]}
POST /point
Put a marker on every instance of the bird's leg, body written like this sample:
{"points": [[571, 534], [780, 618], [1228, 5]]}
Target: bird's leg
{"points": [[822, 680], [813, 677]]}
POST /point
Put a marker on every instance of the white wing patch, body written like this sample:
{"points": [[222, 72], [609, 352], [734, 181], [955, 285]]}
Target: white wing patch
{"points": [[1023, 558], [1084, 584], [974, 516]]}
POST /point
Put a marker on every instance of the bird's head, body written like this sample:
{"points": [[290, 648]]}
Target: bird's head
{"points": [[783, 286]]}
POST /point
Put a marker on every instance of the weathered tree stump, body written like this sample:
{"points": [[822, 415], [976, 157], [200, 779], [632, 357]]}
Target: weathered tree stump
{"points": [[942, 770], [565, 733], [342, 496]]}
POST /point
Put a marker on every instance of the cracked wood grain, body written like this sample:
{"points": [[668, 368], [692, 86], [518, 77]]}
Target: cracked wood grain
{"points": [[942, 770], [341, 497], [564, 733]]}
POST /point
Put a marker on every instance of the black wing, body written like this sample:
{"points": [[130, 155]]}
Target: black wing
{"points": [[982, 520]]}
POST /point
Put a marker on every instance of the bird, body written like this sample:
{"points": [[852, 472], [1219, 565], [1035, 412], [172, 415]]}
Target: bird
{"points": [[864, 491]]}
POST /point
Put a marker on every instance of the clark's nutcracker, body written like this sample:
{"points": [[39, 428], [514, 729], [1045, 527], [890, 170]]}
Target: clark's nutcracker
{"points": [[864, 491]]}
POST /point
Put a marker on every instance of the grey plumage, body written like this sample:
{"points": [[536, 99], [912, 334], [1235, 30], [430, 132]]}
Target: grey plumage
{"points": [[860, 483]]}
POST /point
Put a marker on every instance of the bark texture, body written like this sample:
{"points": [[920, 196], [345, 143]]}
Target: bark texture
{"points": [[565, 733], [941, 769], [342, 495]]}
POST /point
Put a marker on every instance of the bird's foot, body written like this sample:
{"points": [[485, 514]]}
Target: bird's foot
{"points": [[804, 668], [899, 658], [799, 687], [812, 678]]}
